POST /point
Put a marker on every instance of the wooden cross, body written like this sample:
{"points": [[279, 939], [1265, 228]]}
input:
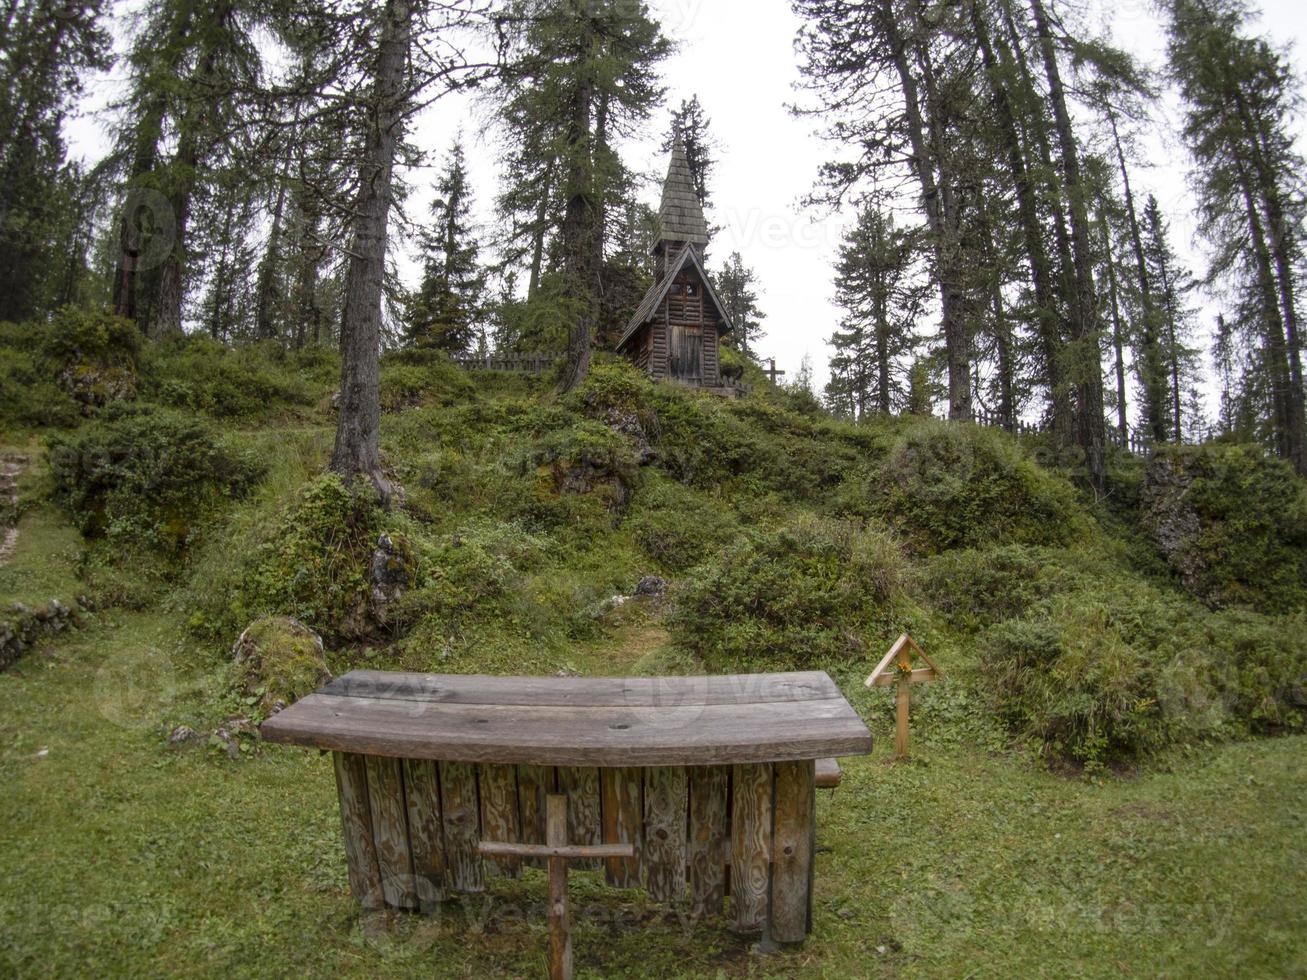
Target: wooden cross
{"points": [[896, 668], [773, 373], [558, 852]]}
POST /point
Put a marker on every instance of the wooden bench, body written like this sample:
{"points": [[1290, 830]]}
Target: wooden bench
{"points": [[711, 779]]}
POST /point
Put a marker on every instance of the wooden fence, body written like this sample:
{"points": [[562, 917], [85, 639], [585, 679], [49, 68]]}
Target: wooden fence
{"points": [[536, 362], [1132, 442]]}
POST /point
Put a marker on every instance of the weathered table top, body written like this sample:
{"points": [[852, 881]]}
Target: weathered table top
{"points": [[578, 721]]}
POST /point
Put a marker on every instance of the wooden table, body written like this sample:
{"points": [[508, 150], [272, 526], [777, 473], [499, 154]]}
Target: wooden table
{"points": [[710, 778]]}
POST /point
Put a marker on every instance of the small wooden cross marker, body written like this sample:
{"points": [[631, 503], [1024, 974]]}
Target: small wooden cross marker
{"points": [[897, 669], [558, 852], [772, 373]]}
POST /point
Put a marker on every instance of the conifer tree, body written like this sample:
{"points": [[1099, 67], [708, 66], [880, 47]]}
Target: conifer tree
{"points": [[1239, 93], [449, 303], [737, 285], [879, 286]]}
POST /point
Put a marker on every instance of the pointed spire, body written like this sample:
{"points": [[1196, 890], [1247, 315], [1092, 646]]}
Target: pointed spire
{"points": [[680, 219]]}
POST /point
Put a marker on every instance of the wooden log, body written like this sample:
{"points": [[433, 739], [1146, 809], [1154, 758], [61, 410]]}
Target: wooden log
{"points": [[560, 926], [570, 851], [534, 784], [709, 838], [584, 824], [458, 798], [751, 822], [425, 835], [666, 849], [623, 820], [390, 831], [500, 814], [356, 828], [829, 773], [792, 850]]}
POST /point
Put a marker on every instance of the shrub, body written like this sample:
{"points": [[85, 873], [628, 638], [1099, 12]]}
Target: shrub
{"points": [[589, 460], [1232, 523], [960, 486], [315, 565], [974, 589], [146, 475], [1120, 670], [93, 356], [417, 375], [244, 382], [678, 527], [806, 593], [29, 394]]}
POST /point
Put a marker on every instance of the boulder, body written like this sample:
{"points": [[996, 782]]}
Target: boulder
{"points": [[1172, 521], [279, 660], [392, 573], [651, 586]]}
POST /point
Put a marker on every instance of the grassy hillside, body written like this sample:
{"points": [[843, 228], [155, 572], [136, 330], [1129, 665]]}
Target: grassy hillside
{"points": [[1109, 780]]}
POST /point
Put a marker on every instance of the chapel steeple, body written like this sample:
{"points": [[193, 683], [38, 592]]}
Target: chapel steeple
{"points": [[681, 220]]}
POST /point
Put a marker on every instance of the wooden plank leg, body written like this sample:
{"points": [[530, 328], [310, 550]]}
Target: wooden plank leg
{"points": [[390, 831], [584, 824], [751, 823], [459, 812], [623, 817], [560, 926], [356, 828], [709, 838], [499, 814], [792, 851], [425, 835], [534, 784], [666, 849]]}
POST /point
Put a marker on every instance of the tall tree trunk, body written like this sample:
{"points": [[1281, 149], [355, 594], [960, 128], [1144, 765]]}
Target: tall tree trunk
{"points": [[266, 288], [1276, 353], [540, 229], [938, 202], [1118, 332], [130, 239], [1003, 348], [1085, 365], [1281, 235], [579, 220], [1041, 272], [1154, 395], [358, 452]]}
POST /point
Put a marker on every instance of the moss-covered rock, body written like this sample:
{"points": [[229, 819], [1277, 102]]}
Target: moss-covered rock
{"points": [[279, 660], [93, 356], [1232, 523]]}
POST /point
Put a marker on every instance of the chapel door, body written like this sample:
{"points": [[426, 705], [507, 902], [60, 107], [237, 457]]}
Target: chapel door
{"points": [[686, 354]]}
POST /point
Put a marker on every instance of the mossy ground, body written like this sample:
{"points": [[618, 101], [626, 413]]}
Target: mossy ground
{"points": [[122, 855]]}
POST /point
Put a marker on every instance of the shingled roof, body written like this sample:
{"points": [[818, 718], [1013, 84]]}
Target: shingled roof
{"points": [[653, 300], [680, 219]]}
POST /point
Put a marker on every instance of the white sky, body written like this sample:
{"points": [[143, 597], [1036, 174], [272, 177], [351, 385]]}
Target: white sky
{"points": [[738, 57]]}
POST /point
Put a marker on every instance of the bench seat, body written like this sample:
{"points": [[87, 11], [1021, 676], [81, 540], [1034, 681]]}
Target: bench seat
{"points": [[828, 773]]}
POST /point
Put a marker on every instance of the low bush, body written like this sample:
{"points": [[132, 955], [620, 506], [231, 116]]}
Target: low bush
{"points": [[29, 394], [314, 566], [1117, 671], [974, 589], [959, 486], [246, 382], [678, 527], [417, 376], [809, 592], [91, 355], [148, 476]]}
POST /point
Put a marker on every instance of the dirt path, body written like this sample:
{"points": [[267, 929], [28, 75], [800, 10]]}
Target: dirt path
{"points": [[11, 467]]}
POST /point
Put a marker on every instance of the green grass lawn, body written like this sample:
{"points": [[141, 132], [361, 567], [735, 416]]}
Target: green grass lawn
{"points": [[123, 856]]}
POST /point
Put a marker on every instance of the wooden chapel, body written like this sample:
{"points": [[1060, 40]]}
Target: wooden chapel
{"points": [[676, 331]]}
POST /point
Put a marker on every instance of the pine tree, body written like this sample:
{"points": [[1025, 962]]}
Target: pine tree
{"points": [[1170, 368], [449, 304], [1239, 93], [46, 51], [879, 286], [692, 122], [737, 285]]}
